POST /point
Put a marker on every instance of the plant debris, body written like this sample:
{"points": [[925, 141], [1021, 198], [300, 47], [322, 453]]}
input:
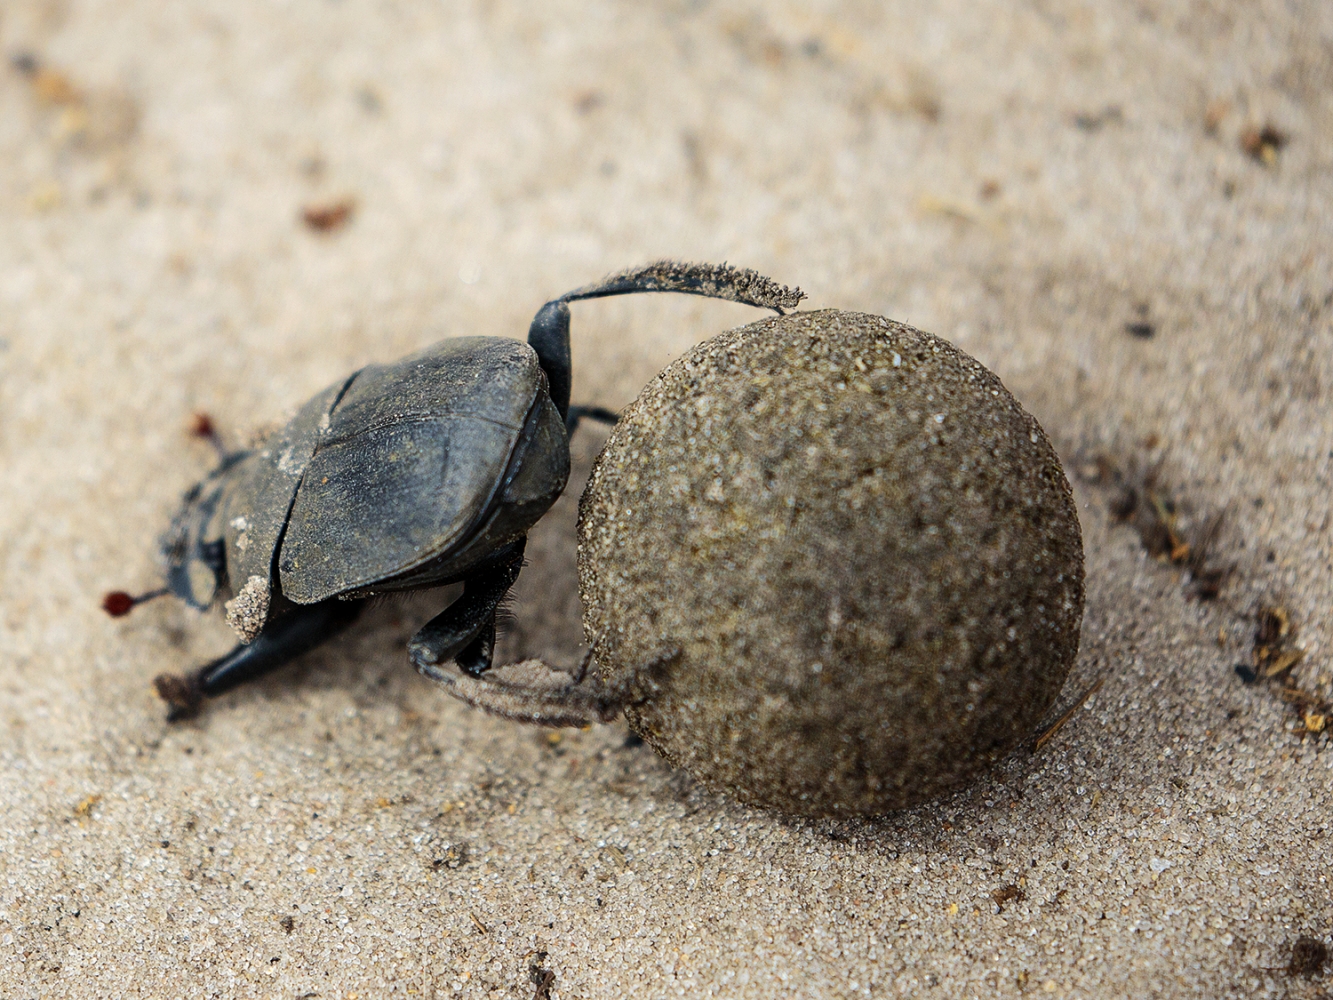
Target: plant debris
{"points": [[1274, 653], [325, 217], [454, 857], [1274, 656], [1263, 143], [1141, 327], [1091, 121], [1060, 723], [540, 977], [48, 85], [1142, 330], [1143, 501], [96, 119], [1007, 894], [1213, 114]]}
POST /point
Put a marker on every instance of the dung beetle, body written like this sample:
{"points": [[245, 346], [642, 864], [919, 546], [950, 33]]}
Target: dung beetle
{"points": [[406, 476]]}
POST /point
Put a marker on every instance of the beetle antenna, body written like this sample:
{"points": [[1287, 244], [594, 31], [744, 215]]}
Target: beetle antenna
{"points": [[718, 281], [117, 603]]}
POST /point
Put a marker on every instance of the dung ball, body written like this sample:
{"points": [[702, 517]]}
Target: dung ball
{"points": [[833, 564]]}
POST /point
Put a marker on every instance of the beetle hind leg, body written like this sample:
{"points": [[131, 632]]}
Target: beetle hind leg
{"points": [[534, 692], [528, 691]]}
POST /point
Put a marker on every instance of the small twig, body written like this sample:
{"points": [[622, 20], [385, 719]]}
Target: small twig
{"points": [[584, 664], [542, 978], [1059, 723]]}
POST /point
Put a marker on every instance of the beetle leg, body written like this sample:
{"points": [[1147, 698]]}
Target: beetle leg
{"points": [[599, 413], [531, 691], [475, 659], [285, 639], [465, 631], [549, 337]]}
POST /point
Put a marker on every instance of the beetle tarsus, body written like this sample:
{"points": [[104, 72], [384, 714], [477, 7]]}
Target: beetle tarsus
{"points": [[476, 659], [182, 694]]}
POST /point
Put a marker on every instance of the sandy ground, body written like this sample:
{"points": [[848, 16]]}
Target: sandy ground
{"points": [[1028, 180]]}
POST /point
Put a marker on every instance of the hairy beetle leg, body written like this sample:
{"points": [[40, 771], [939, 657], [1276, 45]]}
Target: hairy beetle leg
{"points": [[533, 692], [465, 631], [284, 640]]}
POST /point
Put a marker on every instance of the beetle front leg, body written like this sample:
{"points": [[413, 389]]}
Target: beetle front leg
{"points": [[465, 631]]}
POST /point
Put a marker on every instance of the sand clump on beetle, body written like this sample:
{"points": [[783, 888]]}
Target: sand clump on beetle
{"points": [[832, 564]]}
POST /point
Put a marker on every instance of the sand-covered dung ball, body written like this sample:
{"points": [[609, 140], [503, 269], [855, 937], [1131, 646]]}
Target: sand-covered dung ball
{"points": [[834, 562]]}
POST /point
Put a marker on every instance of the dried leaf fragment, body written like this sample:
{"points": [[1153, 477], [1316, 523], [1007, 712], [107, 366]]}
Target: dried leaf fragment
{"points": [[1263, 143], [325, 217]]}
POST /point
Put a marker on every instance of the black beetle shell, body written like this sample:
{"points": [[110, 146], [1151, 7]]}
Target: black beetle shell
{"points": [[400, 475], [413, 456], [259, 492]]}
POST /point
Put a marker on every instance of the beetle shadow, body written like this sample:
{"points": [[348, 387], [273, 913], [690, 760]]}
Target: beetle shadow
{"points": [[1143, 744], [1094, 774]]}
